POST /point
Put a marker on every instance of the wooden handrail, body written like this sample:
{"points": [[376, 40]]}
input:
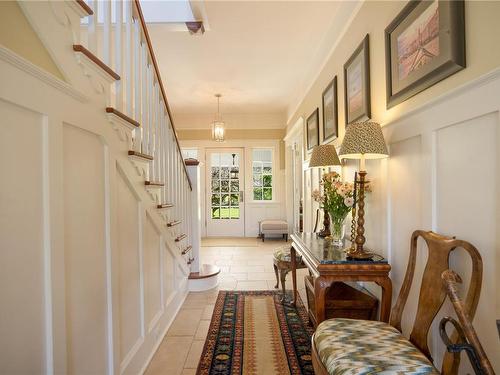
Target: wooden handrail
{"points": [[160, 83]]}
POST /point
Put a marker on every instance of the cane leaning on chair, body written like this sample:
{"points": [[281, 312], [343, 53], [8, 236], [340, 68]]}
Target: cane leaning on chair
{"points": [[468, 339]]}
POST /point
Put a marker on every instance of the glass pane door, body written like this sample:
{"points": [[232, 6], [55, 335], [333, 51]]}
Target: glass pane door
{"points": [[225, 206]]}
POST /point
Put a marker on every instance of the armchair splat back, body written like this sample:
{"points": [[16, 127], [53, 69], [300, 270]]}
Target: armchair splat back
{"points": [[432, 294]]}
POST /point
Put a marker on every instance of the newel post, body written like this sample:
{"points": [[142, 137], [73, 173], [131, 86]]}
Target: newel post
{"points": [[193, 171]]}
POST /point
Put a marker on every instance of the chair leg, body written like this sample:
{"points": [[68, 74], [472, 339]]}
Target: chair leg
{"points": [[277, 277], [283, 273], [263, 237]]}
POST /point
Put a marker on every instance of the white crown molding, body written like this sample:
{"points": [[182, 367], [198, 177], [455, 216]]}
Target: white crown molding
{"points": [[20, 62], [318, 71]]}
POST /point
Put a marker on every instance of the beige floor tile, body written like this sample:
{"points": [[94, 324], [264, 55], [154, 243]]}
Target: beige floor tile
{"points": [[194, 354], [264, 261], [252, 285], [261, 276], [189, 371], [170, 357], [207, 312], [185, 323], [242, 269], [227, 285], [202, 330]]}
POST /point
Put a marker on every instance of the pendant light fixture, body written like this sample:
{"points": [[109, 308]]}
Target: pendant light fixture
{"points": [[218, 125]]}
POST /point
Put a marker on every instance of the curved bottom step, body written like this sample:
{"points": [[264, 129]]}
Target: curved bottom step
{"points": [[206, 279]]}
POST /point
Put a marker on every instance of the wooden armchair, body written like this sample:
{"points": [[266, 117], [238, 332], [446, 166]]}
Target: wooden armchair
{"points": [[358, 346]]}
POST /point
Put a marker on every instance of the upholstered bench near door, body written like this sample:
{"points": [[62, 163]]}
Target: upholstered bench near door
{"points": [[273, 227]]}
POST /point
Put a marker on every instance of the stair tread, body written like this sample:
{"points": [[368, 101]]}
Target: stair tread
{"points": [[206, 270], [165, 205], [186, 250], [81, 49], [180, 237], [85, 7], [172, 223], [123, 116], [140, 155], [153, 183]]}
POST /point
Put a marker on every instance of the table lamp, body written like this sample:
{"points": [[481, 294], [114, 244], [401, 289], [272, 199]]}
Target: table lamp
{"points": [[324, 156], [362, 140]]}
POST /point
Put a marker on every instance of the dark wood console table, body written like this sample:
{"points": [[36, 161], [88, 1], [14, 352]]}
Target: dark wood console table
{"points": [[330, 264]]}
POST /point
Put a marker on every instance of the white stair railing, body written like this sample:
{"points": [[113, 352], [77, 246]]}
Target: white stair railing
{"points": [[117, 35]]}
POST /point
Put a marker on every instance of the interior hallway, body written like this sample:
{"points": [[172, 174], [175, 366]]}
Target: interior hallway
{"points": [[246, 264]]}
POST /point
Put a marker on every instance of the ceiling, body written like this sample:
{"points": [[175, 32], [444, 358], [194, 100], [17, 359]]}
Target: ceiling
{"points": [[257, 54]]}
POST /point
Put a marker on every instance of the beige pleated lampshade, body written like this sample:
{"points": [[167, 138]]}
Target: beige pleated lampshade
{"points": [[363, 138], [324, 156]]}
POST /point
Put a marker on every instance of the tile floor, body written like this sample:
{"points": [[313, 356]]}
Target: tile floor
{"points": [[245, 267]]}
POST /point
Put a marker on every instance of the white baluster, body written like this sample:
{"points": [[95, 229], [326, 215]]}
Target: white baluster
{"points": [[144, 98], [92, 27], [128, 57], [137, 86], [106, 37], [118, 53]]}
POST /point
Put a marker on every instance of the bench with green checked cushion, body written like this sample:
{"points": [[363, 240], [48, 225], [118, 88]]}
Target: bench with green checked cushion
{"points": [[348, 346]]}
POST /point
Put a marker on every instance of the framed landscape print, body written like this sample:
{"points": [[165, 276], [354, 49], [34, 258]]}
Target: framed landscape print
{"points": [[312, 129], [357, 84], [330, 112], [424, 44]]}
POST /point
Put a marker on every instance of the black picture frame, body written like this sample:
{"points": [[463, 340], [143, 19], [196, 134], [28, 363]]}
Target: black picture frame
{"points": [[441, 56], [312, 129], [357, 87], [330, 111]]}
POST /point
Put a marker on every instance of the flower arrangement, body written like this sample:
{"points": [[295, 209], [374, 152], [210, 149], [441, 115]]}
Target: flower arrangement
{"points": [[337, 199]]}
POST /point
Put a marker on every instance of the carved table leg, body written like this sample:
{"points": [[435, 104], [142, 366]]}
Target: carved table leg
{"points": [[385, 304], [321, 285], [293, 257]]}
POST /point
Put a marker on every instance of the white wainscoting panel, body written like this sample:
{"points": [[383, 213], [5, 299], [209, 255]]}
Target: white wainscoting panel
{"points": [[129, 269], [85, 251], [467, 195], [21, 255], [153, 269]]}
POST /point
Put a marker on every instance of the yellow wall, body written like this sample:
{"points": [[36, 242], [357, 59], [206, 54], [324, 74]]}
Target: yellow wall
{"points": [[17, 35], [482, 29]]}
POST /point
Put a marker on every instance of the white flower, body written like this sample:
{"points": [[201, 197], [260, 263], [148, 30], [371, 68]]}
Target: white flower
{"points": [[348, 201]]}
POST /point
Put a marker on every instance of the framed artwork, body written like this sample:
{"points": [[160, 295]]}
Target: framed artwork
{"points": [[424, 44], [312, 129], [330, 112], [357, 84]]}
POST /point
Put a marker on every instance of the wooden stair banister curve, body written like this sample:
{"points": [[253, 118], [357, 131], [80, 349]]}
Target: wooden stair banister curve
{"points": [[160, 82]]}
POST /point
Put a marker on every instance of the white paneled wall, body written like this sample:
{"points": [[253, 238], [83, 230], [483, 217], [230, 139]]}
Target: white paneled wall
{"points": [[443, 174], [91, 276]]}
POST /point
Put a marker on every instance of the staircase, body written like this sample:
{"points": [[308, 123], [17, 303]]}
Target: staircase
{"points": [[121, 234]]}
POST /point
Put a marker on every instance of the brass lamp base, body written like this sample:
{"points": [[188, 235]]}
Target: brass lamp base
{"points": [[354, 254]]}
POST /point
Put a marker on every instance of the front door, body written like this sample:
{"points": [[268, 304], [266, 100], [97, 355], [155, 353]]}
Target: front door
{"points": [[225, 186]]}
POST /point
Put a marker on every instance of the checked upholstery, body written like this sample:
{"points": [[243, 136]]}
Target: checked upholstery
{"points": [[349, 346]]}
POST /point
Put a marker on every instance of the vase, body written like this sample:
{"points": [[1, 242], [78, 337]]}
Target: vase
{"points": [[337, 229]]}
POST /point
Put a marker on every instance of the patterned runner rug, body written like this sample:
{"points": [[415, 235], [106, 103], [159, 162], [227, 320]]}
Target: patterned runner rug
{"points": [[253, 333]]}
